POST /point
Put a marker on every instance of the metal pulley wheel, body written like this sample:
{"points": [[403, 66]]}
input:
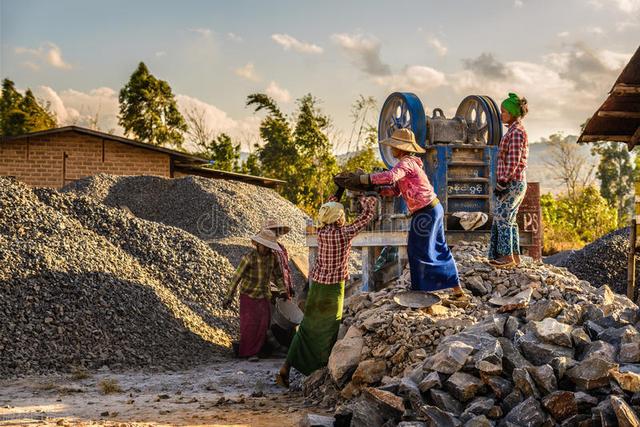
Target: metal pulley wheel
{"points": [[401, 110], [483, 119]]}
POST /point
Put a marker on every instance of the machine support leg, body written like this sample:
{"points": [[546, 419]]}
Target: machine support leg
{"points": [[402, 259], [313, 252], [367, 268], [631, 266]]}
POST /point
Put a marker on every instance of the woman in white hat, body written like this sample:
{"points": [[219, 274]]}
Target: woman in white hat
{"points": [[430, 261], [314, 339], [282, 255], [257, 269]]}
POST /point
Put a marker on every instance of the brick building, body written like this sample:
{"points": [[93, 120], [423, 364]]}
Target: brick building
{"points": [[55, 157]]}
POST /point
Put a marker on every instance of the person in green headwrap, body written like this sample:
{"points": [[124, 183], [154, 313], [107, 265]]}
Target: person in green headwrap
{"points": [[511, 185]]}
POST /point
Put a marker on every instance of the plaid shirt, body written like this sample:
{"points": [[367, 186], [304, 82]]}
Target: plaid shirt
{"points": [[254, 274], [334, 245], [513, 153]]}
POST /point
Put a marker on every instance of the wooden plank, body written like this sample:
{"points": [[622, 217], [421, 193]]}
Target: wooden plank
{"points": [[302, 264], [625, 89], [620, 114], [631, 263], [613, 138], [370, 239]]}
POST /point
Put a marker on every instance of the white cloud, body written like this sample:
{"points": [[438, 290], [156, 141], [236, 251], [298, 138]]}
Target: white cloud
{"points": [[49, 53], [563, 88], [160, 54], [246, 130], [204, 32], [596, 30], [629, 24], [418, 78], [438, 46], [518, 3], [234, 37], [291, 43], [627, 6], [248, 72], [563, 34], [278, 93], [80, 108], [364, 52]]}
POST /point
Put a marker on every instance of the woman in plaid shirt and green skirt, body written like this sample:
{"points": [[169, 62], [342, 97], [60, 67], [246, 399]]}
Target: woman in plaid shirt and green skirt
{"points": [[312, 343], [511, 186]]}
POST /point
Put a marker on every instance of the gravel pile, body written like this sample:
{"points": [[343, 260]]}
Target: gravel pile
{"points": [[602, 262], [211, 209], [85, 284], [535, 346]]}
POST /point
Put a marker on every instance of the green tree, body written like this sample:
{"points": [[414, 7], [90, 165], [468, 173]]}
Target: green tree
{"points": [[572, 221], [251, 165], [297, 150], [224, 153], [22, 114], [365, 159], [149, 111], [616, 174]]}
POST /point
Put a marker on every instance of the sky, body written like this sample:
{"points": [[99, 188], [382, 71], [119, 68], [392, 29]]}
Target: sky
{"points": [[562, 55]]}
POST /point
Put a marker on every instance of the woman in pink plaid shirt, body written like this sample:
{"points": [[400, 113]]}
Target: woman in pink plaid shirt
{"points": [[511, 186]]}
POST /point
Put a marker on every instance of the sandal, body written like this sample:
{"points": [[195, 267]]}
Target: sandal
{"points": [[503, 263]]}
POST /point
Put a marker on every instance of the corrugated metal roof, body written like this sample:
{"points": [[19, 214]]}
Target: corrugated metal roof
{"points": [[108, 136], [216, 173], [618, 118], [188, 163]]}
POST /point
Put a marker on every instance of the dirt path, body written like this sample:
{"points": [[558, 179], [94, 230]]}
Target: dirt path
{"points": [[229, 393]]}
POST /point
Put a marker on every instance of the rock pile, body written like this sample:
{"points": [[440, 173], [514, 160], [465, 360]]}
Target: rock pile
{"points": [[82, 283], [211, 209], [602, 262], [223, 213], [536, 346]]}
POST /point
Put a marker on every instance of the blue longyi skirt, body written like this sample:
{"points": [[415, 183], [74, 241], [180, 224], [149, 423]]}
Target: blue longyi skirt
{"points": [[430, 261]]}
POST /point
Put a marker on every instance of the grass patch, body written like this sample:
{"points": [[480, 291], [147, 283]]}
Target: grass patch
{"points": [[79, 373], [109, 386]]}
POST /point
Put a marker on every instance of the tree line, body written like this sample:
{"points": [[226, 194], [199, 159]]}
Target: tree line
{"points": [[587, 208], [295, 148], [298, 148]]}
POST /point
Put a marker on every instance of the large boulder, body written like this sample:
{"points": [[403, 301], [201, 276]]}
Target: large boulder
{"points": [[591, 373], [554, 332], [345, 356]]}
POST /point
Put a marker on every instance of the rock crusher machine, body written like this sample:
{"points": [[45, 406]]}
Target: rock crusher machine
{"points": [[460, 162]]}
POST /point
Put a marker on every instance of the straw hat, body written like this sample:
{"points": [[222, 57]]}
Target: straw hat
{"points": [[403, 139], [266, 238], [276, 227]]}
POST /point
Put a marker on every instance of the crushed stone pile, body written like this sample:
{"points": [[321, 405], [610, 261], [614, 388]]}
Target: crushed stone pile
{"points": [[223, 213], [603, 261], [536, 346], [84, 284], [212, 209]]}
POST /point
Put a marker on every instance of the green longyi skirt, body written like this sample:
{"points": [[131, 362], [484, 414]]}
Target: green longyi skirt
{"points": [[316, 335]]}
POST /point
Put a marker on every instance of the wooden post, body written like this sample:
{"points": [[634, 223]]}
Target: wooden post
{"points": [[402, 259], [631, 265], [367, 268]]}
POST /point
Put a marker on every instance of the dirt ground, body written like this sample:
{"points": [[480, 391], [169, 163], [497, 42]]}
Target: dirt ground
{"points": [[229, 393]]}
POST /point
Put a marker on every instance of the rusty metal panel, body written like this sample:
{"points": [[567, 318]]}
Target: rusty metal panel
{"points": [[530, 222]]}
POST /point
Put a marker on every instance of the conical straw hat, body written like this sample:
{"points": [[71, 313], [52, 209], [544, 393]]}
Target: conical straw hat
{"points": [[266, 238], [275, 226], [403, 139]]}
